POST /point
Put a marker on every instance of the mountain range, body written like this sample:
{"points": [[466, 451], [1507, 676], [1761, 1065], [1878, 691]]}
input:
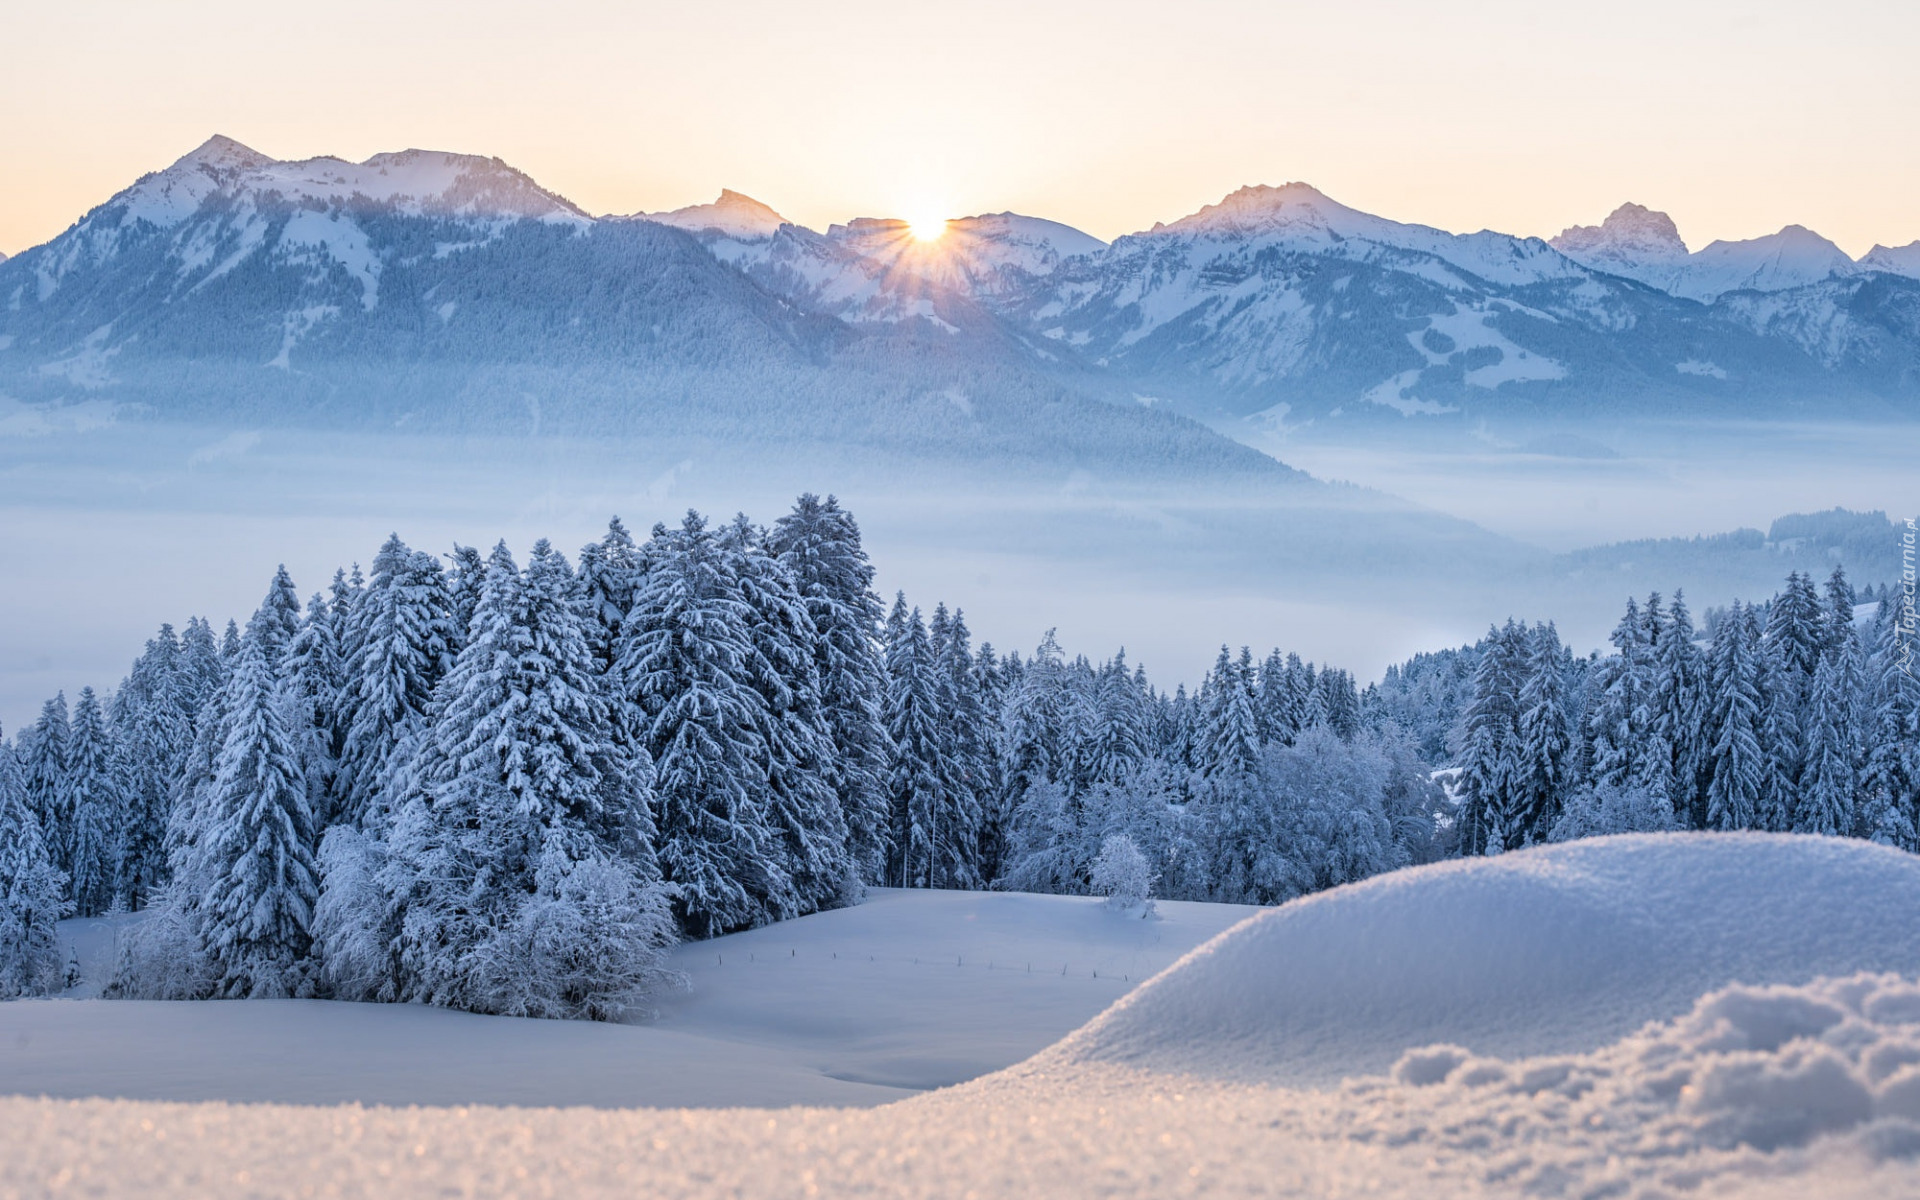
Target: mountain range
{"points": [[452, 291]]}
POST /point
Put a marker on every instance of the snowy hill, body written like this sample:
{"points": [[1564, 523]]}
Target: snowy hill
{"points": [[1553, 951], [1695, 1015]]}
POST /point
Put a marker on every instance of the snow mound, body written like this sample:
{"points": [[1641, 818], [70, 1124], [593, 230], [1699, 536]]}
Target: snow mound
{"points": [[1555, 950]]}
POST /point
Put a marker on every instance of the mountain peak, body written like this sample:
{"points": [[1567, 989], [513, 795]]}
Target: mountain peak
{"points": [[1259, 207], [1894, 260], [221, 153], [734, 214], [1631, 235]]}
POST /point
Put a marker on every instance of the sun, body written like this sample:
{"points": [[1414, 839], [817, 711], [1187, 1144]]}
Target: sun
{"points": [[927, 229]]}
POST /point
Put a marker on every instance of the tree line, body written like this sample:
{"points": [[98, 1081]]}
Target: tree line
{"points": [[508, 787]]}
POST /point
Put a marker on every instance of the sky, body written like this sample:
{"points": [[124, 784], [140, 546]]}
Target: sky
{"points": [[1737, 118]]}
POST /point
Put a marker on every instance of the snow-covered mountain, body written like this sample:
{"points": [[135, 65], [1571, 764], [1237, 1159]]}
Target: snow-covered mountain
{"points": [[1641, 244], [410, 272], [1633, 241], [450, 292], [732, 215], [1894, 260]]}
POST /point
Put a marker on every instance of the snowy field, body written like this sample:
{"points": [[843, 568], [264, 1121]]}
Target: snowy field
{"points": [[910, 990], [1683, 1015]]}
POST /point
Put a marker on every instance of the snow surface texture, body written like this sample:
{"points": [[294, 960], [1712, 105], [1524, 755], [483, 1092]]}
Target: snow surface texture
{"points": [[1752, 1090], [858, 1006]]}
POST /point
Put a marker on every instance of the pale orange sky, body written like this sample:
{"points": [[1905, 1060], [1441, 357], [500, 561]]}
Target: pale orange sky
{"points": [[1736, 118]]}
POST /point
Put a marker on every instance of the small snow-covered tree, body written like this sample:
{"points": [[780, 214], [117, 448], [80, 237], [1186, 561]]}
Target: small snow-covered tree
{"points": [[1121, 873], [1611, 808]]}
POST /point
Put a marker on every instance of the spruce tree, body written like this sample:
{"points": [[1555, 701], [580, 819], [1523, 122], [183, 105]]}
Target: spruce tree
{"points": [[32, 892], [524, 794], [1545, 733], [1891, 778], [93, 802], [252, 867], [1230, 745], [801, 804], [1618, 714], [610, 570], [683, 660], [394, 652], [1836, 624], [1679, 707], [962, 761], [914, 772], [43, 755], [819, 544], [315, 681], [277, 621], [1490, 764], [152, 716], [1825, 803], [1736, 763]]}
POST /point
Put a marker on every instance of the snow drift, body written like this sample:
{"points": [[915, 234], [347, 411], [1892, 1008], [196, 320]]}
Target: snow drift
{"points": [[1546, 951], [1634, 1017]]}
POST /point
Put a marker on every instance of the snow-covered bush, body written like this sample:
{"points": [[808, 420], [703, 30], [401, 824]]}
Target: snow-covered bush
{"points": [[1122, 875], [352, 932], [163, 955], [1607, 809], [586, 945]]}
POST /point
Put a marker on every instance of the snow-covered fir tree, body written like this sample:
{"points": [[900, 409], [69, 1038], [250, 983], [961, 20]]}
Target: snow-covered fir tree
{"points": [[1736, 764], [1490, 756], [252, 868], [91, 802], [819, 544], [801, 804], [32, 892], [1829, 783], [395, 647], [915, 771], [1546, 736], [1230, 735], [682, 661]]}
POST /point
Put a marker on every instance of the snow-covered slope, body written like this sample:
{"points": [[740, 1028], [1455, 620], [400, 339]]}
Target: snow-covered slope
{"points": [[1552, 951], [857, 1006], [1758, 1088]]}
